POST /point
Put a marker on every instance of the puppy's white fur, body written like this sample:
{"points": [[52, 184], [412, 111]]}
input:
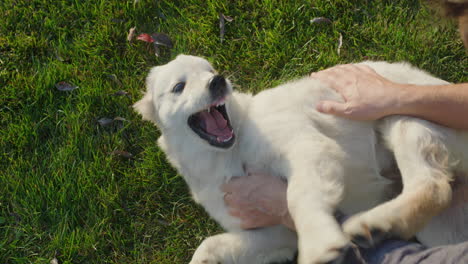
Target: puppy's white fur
{"points": [[329, 163]]}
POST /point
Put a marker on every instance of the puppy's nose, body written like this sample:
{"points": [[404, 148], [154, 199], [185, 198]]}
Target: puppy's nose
{"points": [[217, 87]]}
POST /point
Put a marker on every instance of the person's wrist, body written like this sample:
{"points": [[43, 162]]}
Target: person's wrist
{"points": [[405, 99], [399, 99]]}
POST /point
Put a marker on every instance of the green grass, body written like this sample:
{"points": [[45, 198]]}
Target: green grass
{"points": [[63, 195]]}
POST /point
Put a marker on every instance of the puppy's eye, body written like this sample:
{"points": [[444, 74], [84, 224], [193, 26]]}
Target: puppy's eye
{"points": [[178, 88]]}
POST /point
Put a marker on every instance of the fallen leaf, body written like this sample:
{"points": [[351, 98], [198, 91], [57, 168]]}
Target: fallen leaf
{"points": [[158, 39], [320, 20], [145, 37], [122, 153], [114, 78], [162, 40], [117, 20], [54, 261], [58, 57], [64, 86], [222, 24], [121, 93], [228, 18], [105, 121], [131, 34], [161, 15], [163, 222], [118, 118], [157, 51], [221, 27]]}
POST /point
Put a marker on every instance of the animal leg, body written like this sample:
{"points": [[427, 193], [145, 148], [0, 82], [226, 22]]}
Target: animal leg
{"points": [[259, 246], [314, 189], [424, 164]]}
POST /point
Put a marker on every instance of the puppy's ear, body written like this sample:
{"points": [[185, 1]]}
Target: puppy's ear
{"points": [[145, 107]]}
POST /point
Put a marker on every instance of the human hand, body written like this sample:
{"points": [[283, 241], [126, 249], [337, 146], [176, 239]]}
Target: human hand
{"points": [[259, 200], [366, 94]]}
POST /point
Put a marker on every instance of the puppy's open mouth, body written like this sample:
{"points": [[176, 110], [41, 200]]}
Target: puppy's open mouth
{"points": [[213, 125]]}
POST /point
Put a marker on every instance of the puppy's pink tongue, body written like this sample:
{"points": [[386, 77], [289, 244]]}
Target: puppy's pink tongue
{"points": [[215, 124]]}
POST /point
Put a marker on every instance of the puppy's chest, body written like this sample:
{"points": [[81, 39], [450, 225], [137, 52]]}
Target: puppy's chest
{"points": [[266, 138]]}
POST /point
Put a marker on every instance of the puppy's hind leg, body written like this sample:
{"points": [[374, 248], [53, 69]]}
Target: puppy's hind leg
{"points": [[259, 246], [424, 164]]}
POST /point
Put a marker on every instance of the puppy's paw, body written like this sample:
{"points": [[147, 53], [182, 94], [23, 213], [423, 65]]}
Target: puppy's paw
{"points": [[367, 231], [205, 261], [204, 257], [210, 251], [333, 253]]}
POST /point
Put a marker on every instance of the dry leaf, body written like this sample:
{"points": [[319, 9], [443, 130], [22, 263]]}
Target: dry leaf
{"points": [[122, 153], [158, 39], [121, 93], [118, 118], [54, 261], [64, 86], [320, 20], [222, 23], [162, 40], [118, 20], [58, 57], [157, 51], [145, 37], [114, 78], [221, 27], [163, 222], [105, 121], [228, 18], [131, 34]]}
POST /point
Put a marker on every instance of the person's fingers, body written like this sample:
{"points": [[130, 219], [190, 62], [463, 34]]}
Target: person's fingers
{"points": [[234, 201], [226, 187], [233, 185], [228, 198], [335, 78], [256, 222], [332, 107]]}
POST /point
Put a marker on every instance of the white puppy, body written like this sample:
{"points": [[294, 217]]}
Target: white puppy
{"points": [[211, 134]]}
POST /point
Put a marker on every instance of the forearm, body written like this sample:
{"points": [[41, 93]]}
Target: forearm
{"points": [[443, 104]]}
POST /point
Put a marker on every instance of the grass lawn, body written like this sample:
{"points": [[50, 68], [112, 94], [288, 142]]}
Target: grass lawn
{"points": [[65, 193]]}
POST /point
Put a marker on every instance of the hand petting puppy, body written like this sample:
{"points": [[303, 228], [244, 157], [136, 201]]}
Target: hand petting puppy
{"points": [[259, 200]]}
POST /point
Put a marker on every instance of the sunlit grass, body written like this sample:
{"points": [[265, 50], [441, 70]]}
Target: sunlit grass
{"points": [[64, 195]]}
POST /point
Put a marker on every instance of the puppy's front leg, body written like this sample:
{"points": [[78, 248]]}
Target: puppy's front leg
{"points": [[260, 246], [314, 190]]}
